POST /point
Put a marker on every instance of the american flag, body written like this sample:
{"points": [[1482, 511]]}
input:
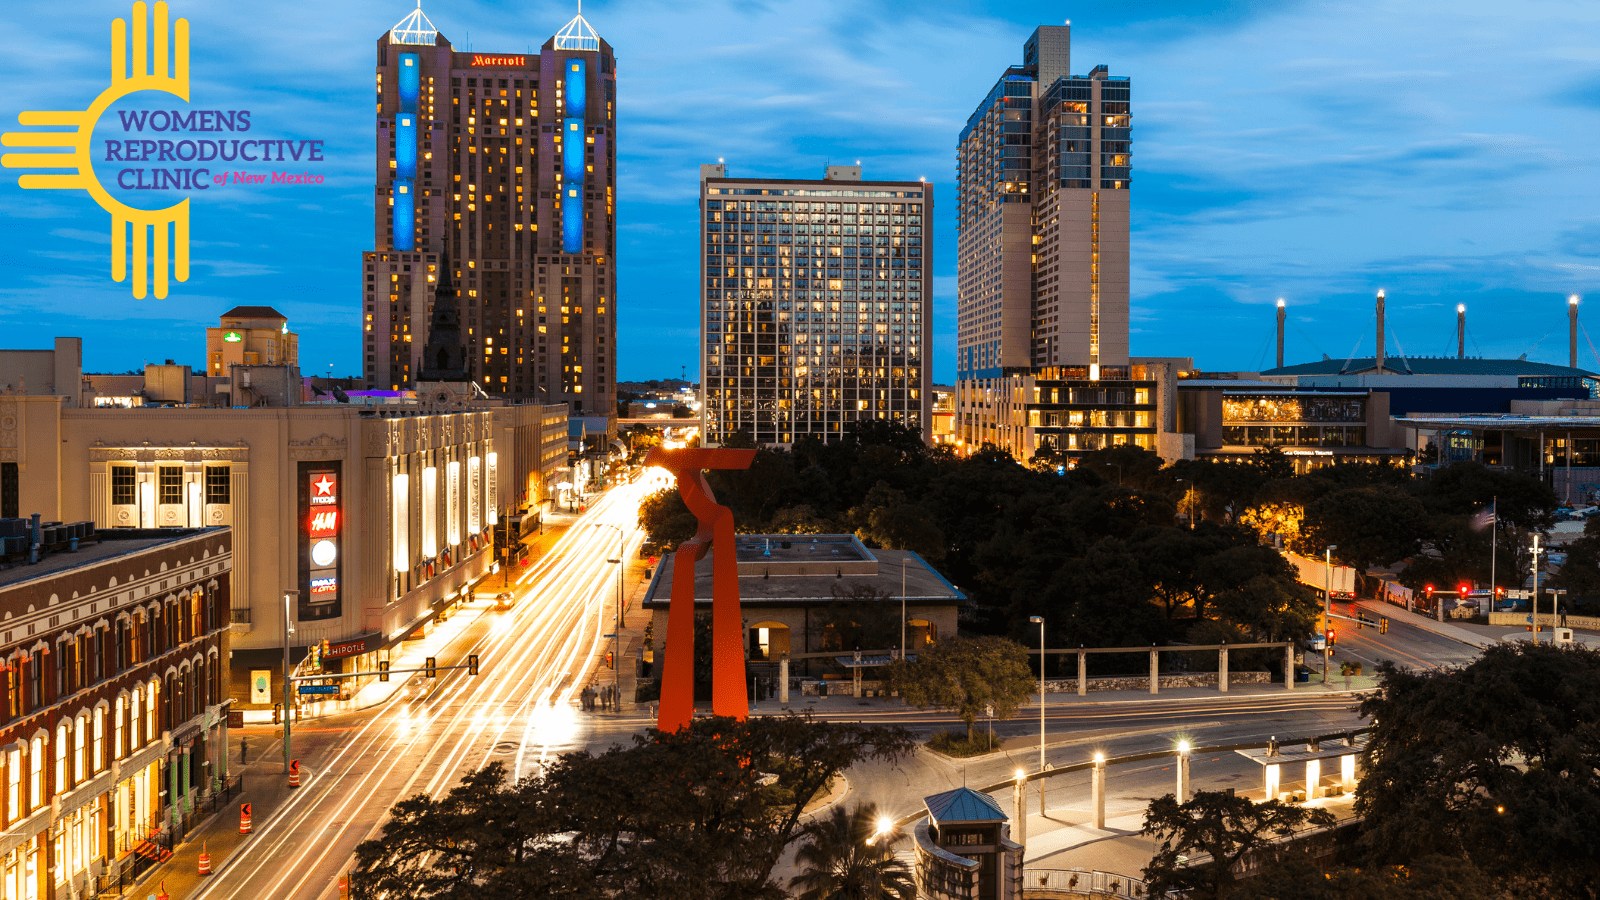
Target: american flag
{"points": [[1483, 518]]}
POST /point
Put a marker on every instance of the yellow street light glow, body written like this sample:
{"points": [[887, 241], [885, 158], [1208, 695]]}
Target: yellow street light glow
{"points": [[884, 824], [1020, 774], [1183, 747], [1099, 757]]}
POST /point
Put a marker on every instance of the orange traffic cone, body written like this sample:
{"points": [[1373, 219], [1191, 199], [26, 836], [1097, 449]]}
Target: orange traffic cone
{"points": [[244, 818], [294, 773], [205, 861], [163, 895]]}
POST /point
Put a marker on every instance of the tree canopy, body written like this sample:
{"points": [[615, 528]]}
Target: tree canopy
{"points": [[1497, 761], [1224, 827], [692, 814], [966, 675]]}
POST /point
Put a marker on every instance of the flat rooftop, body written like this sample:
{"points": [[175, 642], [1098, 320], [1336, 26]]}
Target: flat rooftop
{"points": [[787, 585], [109, 545], [800, 548]]}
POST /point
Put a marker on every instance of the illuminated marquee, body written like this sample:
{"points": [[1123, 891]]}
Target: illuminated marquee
{"points": [[322, 525], [479, 59]]}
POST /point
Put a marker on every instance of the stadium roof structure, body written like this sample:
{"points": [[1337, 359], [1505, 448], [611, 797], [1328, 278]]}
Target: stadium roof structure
{"points": [[1427, 365]]}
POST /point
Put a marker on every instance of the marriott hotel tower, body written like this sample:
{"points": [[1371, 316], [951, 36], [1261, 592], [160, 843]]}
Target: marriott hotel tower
{"points": [[501, 166]]}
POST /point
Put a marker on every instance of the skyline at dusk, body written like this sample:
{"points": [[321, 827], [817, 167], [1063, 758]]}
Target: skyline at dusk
{"points": [[1302, 151]]}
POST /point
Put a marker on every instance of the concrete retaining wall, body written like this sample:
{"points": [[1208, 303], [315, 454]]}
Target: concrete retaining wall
{"points": [[1546, 618]]}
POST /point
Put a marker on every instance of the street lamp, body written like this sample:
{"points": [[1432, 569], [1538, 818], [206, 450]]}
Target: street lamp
{"points": [[1535, 600], [1039, 621], [288, 682], [1327, 609]]}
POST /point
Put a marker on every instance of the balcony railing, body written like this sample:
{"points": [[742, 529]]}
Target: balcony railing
{"points": [[1080, 882]]}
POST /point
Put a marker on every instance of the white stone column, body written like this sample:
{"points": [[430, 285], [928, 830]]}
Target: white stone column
{"points": [[783, 679], [1273, 781], [1182, 766], [1083, 673], [1222, 669], [1155, 670], [1097, 790], [1313, 779], [1347, 772], [1019, 810], [1288, 667]]}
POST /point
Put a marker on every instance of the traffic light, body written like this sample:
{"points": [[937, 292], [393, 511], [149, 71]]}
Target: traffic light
{"points": [[430, 668], [1383, 624], [383, 670], [1331, 636], [472, 664], [610, 660], [1464, 590], [1360, 622]]}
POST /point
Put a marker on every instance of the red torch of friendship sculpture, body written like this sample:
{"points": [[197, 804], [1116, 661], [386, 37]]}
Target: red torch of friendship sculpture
{"points": [[715, 535]]}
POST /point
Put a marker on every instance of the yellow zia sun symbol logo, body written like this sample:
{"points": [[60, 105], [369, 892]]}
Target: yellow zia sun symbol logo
{"points": [[138, 70]]}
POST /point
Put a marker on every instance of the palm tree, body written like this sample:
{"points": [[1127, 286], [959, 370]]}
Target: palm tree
{"points": [[847, 857]]}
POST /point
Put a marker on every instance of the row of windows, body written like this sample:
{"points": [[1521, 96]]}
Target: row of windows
{"points": [[1294, 435], [81, 749], [34, 681], [169, 485]]}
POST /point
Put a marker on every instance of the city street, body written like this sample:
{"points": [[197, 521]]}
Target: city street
{"points": [[519, 710]]}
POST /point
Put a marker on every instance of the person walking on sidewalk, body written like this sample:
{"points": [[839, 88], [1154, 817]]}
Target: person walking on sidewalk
{"points": [[244, 751]]}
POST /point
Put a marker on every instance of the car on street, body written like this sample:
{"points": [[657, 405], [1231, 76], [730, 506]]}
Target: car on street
{"points": [[1317, 643]]}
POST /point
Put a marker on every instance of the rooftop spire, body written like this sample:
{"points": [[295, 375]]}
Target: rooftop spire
{"points": [[414, 29], [577, 34]]}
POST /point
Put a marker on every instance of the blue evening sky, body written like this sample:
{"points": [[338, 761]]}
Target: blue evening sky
{"points": [[1441, 149]]}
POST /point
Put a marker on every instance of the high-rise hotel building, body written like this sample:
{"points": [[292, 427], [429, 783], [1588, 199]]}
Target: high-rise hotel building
{"points": [[1044, 178], [503, 166], [815, 305]]}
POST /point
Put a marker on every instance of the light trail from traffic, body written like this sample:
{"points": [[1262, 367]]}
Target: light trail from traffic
{"points": [[533, 662]]}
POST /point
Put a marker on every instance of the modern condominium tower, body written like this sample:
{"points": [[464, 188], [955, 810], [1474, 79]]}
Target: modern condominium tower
{"points": [[1044, 177], [504, 164], [815, 305]]}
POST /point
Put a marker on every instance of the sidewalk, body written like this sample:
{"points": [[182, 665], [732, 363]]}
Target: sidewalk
{"points": [[1480, 636], [265, 787]]}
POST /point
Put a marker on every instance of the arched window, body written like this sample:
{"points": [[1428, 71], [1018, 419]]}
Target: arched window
{"points": [[62, 740], [14, 785], [119, 635], [150, 727], [118, 731], [36, 773], [80, 741], [97, 759]]}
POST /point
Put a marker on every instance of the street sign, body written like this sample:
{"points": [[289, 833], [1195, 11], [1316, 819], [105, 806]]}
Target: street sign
{"points": [[319, 689]]}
